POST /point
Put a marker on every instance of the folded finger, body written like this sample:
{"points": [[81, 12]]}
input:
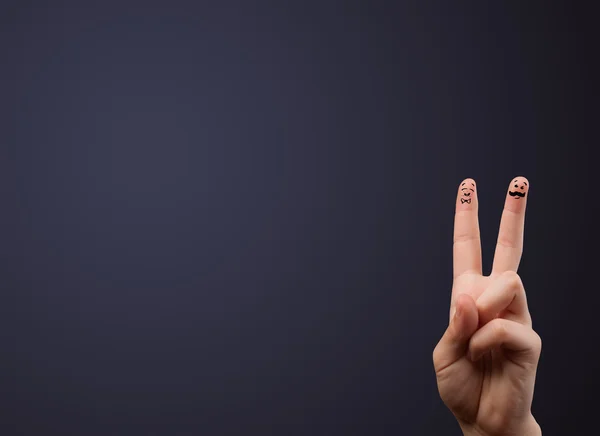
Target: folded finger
{"points": [[504, 297], [523, 344]]}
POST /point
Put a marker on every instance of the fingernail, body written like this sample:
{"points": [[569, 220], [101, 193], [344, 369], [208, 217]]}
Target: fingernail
{"points": [[467, 195], [457, 313], [517, 194]]}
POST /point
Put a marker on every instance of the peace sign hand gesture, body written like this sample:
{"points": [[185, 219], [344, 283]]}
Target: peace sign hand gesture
{"points": [[486, 360]]}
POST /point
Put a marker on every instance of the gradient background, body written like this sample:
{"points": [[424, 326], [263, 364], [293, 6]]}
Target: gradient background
{"points": [[224, 218]]}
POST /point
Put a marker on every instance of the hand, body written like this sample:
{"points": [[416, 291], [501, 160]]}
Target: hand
{"points": [[486, 360]]}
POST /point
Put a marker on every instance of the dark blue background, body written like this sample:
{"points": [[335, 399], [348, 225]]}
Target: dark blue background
{"points": [[226, 218]]}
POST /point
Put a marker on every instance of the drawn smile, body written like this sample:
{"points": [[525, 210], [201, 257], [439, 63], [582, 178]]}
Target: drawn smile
{"points": [[465, 194], [516, 194]]}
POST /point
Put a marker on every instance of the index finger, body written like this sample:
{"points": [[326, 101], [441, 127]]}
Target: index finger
{"points": [[467, 242]]}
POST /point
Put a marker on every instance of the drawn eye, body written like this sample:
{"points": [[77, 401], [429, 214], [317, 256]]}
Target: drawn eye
{"points": [[516, 186]]}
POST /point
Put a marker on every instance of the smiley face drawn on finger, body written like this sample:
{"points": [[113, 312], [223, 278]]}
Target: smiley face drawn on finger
{"points": [[518, 188], [467, 190]]}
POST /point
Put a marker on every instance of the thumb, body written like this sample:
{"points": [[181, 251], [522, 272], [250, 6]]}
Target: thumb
{"points": [[454, 343]]}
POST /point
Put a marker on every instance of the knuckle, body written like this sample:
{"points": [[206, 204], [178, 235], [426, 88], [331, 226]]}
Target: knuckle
{"points": [[512, 279], [537, 343], [465, 237], [506, 241], [527, 320], [499, 329], [438, 358], [513, 282], [434, 355]]}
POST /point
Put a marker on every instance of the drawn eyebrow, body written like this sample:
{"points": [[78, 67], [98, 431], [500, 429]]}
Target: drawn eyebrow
{"points": [[472, 183], [462, 184], [525, 183]]}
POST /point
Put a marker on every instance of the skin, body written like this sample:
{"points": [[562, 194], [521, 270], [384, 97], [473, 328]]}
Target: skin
{"points": [[486, 361]]}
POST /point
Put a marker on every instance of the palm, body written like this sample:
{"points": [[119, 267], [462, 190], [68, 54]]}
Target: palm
{"points": [[489, 391], [478, 382]]}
